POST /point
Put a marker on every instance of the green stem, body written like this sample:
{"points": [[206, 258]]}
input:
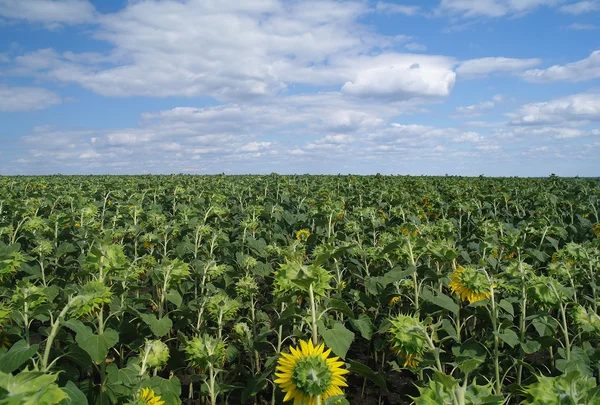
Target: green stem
{"points": [[313, 310]]}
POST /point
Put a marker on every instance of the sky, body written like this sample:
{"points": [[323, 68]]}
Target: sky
{"points": [[421, 87]]}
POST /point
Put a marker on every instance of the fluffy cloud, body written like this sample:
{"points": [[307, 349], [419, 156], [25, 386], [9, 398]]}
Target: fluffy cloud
{"points": [[580, 7], [482, 67], [398, 76], [26, 98], [574, 109], [392, 8], [490, 8], [194, 49], [583, 70], [49, 12], [582, 27]]}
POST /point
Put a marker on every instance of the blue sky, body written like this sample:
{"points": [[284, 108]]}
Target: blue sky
{"points": [[465, 87]]}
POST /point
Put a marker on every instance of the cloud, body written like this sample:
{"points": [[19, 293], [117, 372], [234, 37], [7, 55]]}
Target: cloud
{"points": [[474, 110], [194, 49], [490, 8], [482, 67], [50, 12], [392, 8], [468, 137], [416, 47], [574, 109], [580, 7], [582, 27], [398, 76], [26, 98], [583, 70]]}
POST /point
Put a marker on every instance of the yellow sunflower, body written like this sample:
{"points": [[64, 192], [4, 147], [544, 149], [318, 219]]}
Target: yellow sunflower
{"points": [[596, 229], [302, 235], [470, 284], [307, 373], [393, 301], [146, 396]]}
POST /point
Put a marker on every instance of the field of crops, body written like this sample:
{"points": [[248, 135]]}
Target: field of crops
{"points": [[198, 290]]}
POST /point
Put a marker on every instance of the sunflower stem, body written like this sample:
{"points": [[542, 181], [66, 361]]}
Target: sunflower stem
{"points": [[313, 310]]}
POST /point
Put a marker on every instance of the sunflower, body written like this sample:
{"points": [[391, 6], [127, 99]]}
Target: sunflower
{"points": [[308, 373], [302, 235], [393, 301], [470, 284], [408, 339], [146, 396], [596, 229]]}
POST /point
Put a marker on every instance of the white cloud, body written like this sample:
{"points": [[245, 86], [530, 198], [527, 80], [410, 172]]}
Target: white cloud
{"points": [[580, 7], [320, 43], [582, 27], [49, 12], [398, 76], [574, 109], [26, 98], [468, 137], [583, 70], [392, 8], [475, 110], [416, 47], [490, 8], [482, 67]]}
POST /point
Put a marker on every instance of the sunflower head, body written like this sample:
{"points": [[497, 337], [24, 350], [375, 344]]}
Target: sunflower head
{"points": [[302, 235], [223, 307], [158, 353], [205, 351], [246, 287], [596, 229], [587, 321], [94, 294], [146, 396], [407, 336], [545, 291], [307, 373], [394, 301], [470, 284]]}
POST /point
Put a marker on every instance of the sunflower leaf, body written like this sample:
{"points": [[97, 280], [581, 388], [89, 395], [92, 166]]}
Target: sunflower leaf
{"points": [[338, 339]]}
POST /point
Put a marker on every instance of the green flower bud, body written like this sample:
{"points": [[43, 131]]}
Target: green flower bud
{"points": [[205, 351], [158, 353]]}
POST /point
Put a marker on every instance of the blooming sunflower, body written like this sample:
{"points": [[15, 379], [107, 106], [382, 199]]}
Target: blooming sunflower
{"points": [[302, 235], [596, 229], [307, 373], [408, 339], [470, 284], [146, 396], [393, 301]]}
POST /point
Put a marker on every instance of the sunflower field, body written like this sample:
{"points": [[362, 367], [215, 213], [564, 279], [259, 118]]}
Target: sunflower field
{"points": [[307, 290]]}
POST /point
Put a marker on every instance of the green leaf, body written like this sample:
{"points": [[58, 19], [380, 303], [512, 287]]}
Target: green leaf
{"points": [[337, 400], [338, 339], [468, 366], [530, 346], [97, 346], [509, 337], [159, 327], [18, 354], [174, 297], [397, 274], [342, 307], [253, 386], [441, 300], [507, 306], [365, 371], [169, 390], [363, 325], [76, 397]]}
